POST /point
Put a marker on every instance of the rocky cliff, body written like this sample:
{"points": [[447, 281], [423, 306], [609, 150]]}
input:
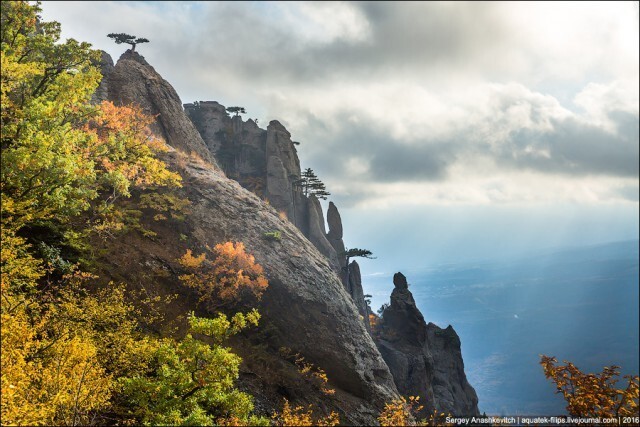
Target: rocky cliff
{"points": [[134, 81], [314, 305], [305, 308], [424, 359], [264, 161]]}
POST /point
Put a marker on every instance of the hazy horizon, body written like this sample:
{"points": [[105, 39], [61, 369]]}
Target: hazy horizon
{"points": [[575, 303]]}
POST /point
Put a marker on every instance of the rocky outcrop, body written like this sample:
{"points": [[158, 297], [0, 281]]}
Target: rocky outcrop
{"points": [[317, 234], [305, 308], [351, 278], [106, 67], [334, 236], [354, 288], [264, 161], [134, 81], [424, 360]]}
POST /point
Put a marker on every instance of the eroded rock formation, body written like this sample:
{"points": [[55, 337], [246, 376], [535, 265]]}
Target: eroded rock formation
{"points": [[424, 359], [134, 81], [264, 161]]}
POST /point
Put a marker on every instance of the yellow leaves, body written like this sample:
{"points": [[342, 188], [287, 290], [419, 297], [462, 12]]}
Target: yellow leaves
{"points": [[593, 395], [50, 374], [189, 261], [308, 370], [20, 270], [398, 412], [298, 416], [74, 381], [403, 412]]}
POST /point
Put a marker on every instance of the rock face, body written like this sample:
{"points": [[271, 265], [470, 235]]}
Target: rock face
{"points": [[264, 161], [351, 278], [106, 67], [317, 234], [134, 81], [424, 360], [305, 308], [334, 236], [354, 288]]}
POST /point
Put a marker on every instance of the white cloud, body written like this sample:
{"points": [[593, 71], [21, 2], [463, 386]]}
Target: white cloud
{"points": [[419, 103]]}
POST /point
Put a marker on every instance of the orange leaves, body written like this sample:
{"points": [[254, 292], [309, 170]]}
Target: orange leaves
{"points": [[230, 279], [373, 321], [126, 148], [592, 395]]}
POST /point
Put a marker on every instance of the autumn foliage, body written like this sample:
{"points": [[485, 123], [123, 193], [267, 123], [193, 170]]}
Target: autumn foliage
{"points": [[315, 374], [593, 395], [299, 416], [230, 279], [400, 412], [404, 412], [73, 350]]}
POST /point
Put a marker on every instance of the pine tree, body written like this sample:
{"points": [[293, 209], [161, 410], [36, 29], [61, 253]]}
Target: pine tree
{"points": [[120, 38], [311, 185]]}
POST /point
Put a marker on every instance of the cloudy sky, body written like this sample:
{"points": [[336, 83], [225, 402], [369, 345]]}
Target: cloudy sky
{"points": [[443, 130]]}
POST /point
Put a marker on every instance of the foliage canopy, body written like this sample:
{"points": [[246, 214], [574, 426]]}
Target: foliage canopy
{"points": [[593, 395], [73, 351]]}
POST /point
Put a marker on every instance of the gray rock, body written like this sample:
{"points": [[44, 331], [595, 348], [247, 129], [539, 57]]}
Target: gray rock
{"points": [[357, 294], [305, 301], [265, 162], [134, 81], [106, 67], [334, 236], [424, 360], [317, 234]]}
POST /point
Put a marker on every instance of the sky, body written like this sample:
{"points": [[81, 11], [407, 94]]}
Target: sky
{"points": [[444, 131]]}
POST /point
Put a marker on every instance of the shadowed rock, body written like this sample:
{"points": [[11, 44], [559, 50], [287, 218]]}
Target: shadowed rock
{"points": [[424, 360]]}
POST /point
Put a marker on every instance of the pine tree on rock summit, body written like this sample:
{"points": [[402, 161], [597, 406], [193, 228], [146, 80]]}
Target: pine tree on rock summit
{"points": [[120, 38]]}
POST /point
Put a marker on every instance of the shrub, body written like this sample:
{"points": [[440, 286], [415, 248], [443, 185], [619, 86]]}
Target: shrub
{"points": [[230, 280], [593, 395]]}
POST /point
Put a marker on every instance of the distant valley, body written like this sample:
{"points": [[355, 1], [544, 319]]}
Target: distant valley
{"points": [[578, 304]]}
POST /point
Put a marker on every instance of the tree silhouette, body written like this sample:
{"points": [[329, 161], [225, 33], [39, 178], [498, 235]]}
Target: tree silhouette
{"points": [[355, 252], [352, 253], [120, 38], [311, 185]]}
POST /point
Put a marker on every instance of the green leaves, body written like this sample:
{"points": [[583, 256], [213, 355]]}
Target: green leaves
{"points": [[192, 382]]}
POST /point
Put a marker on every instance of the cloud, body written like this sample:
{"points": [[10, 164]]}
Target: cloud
{"points": [[416, 102]]}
